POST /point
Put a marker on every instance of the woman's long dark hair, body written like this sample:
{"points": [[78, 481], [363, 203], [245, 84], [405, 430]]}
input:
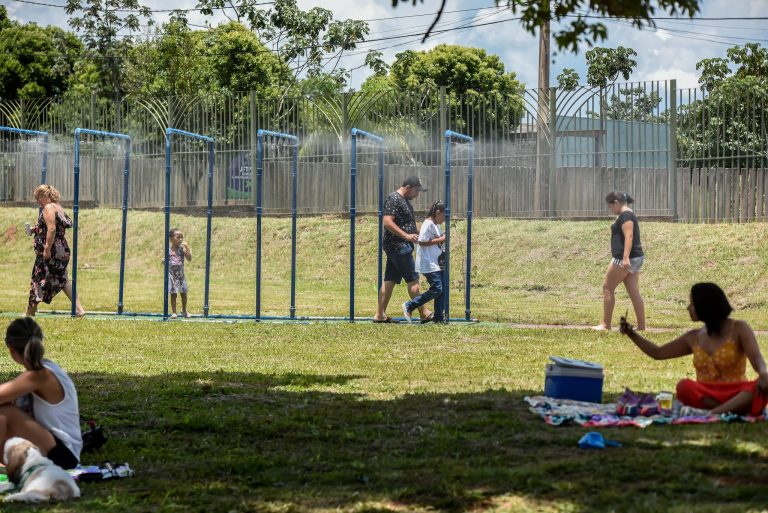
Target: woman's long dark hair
{"points": [[711, 305], [26, 338]]}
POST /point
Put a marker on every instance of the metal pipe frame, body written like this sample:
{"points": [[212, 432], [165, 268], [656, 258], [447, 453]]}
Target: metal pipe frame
{"points": [[169, 133], [294, 141], [44, 135], [76, 209], [451, 136], [353, 211]]}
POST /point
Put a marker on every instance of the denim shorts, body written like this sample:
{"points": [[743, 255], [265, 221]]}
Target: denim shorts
{"points": [[400, 264], [634, 263]]}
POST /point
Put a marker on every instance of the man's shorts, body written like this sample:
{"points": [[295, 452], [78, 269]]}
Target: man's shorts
{"points": [[400, 265]]}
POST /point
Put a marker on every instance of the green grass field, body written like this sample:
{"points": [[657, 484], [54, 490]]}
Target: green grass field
{"points": [[329, 417]]}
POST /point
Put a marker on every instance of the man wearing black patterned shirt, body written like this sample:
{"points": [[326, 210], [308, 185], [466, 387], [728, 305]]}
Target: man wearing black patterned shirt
{"points": [[400, 237]]}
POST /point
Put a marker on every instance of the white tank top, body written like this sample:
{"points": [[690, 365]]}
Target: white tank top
{"points": [[63, 418]]}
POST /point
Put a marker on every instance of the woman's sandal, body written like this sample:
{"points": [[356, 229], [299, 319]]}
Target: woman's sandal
{"points": [[428, 318], [388, 320]]}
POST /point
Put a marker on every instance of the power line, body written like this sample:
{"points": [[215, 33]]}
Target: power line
{"points": [[713, 35], [673, 33], [33, 2]]}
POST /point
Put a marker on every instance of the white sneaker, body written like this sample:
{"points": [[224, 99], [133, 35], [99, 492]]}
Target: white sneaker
{"points": [[173, 316], [407, 313], [600, 327], [185, 315]]}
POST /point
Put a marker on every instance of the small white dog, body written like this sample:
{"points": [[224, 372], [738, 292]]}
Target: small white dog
{"points": [[38, 478]]}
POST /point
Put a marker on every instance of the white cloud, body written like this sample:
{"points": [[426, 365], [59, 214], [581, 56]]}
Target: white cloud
{"points": [[684, 79]]}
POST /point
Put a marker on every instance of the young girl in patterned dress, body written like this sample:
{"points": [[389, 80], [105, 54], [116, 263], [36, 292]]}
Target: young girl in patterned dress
{"points": [[177, 282]]}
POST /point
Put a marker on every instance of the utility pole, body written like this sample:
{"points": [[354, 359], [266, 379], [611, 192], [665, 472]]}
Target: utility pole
{"points": [[541, 182]]}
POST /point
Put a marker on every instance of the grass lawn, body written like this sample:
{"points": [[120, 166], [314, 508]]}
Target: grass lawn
{"points": [[364, 418]]}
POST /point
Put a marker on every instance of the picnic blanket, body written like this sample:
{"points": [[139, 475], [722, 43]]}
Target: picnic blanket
{"points": [[559, 412]]}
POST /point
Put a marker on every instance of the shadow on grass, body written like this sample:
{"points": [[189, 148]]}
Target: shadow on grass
{"points": [[223, 441]]}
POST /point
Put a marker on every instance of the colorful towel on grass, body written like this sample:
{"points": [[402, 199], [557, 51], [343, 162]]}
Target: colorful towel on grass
{"points": [[559, 412]]}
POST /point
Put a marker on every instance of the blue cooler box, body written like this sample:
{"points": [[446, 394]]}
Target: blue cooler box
{"points": [[574, 379]]}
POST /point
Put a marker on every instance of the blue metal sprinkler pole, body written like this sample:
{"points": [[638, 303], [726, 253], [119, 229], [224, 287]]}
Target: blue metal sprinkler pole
{"points": [[468, 276], [44, 169], [381, 231], [447, 271], [294, 204], [259, 170], [352, 214], [294, 201], [167, 219], [75, 211], [76, 208], [126, 174], [449, 136], [380, 141], [211, 162], [381, 208], [209, 212]]}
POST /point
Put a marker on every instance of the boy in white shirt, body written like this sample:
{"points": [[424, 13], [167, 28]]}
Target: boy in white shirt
{"points": [[427, 255]]}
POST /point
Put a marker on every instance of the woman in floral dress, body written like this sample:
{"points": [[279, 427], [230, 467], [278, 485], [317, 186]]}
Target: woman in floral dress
{"points": [[49, 274]]}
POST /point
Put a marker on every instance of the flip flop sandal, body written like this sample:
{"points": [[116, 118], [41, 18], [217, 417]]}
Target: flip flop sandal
{"points": [[385, 320], [430, 318]]}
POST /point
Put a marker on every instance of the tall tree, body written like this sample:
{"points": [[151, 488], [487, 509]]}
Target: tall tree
{"points": [[728, 126], [35, 61], [107, 28], [604, 66], [577, 15], [490, 97], [311, 42]]}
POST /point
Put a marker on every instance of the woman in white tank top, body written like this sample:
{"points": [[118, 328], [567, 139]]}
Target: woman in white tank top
{"points": [[39, 405]]}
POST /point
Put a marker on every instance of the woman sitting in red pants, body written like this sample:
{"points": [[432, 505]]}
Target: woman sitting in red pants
{"points": [[720, 351]]}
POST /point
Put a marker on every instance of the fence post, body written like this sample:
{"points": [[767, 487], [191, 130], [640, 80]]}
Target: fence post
{"points": [[254, 130], [672, 157], [540, 186], [94, 170], [552, 204], [443, 127]]}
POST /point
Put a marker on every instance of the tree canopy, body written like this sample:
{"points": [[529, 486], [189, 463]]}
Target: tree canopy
{"points": [[460, 68], [35, 61], [729, 121]]}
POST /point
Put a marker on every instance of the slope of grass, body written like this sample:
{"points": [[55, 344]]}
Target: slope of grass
{"points": [[522, 271]]}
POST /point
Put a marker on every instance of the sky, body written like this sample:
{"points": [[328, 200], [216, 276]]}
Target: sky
{"points": [[669, 52]]}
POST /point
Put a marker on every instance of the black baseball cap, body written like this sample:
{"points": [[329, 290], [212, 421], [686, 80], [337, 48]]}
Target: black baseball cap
{"points": [[415, 182]]}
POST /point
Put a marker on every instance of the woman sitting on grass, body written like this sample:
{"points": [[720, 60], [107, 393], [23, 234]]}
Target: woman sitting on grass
{"points": [[720, 351], [53, 420]]}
